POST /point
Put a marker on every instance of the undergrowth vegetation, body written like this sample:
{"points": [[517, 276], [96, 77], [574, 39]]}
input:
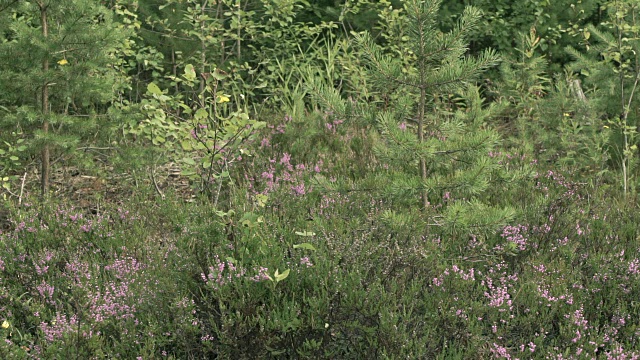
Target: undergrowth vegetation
{"points": [[407, 208], [301, 268]]}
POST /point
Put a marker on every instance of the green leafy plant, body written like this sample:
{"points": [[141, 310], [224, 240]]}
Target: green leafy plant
{"points": [[11, 161], [206, 141], [611, 68]]}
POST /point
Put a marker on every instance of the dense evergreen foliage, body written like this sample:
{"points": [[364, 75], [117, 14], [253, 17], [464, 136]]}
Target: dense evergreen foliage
{"points": [[353, 179]]}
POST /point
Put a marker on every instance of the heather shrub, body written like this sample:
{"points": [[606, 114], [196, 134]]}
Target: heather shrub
{"points": [[322, 273], [318, 235]]}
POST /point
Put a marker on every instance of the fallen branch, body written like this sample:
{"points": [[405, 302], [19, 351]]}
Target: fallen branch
{"points": [[155, 184], [24, 177]]}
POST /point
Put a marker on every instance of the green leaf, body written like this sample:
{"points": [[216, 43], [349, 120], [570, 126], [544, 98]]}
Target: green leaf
{"points": [[201, 114], [189, 72], [276, 352], [306, 246], [153, 89], [219, 75], [188, 161]]}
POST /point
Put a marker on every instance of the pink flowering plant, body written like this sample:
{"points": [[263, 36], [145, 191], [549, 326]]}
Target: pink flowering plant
{"points": [[407, 221], [327, 271]]}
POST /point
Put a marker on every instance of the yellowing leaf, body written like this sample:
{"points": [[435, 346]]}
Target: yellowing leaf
{"points": [[189, 72], [186, 145], [261, 200], [279, 277], [153, 89], [222, 99], [63, 62]]}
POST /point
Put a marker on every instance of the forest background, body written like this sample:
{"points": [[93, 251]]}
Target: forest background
{"points": [[242, 179]]}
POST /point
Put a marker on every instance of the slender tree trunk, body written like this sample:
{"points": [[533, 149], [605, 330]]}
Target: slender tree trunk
{"points": [[238, 42], [174, 70], [45, 105], [203, 56], [219, 15], [422, 107], [423, 163]]}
